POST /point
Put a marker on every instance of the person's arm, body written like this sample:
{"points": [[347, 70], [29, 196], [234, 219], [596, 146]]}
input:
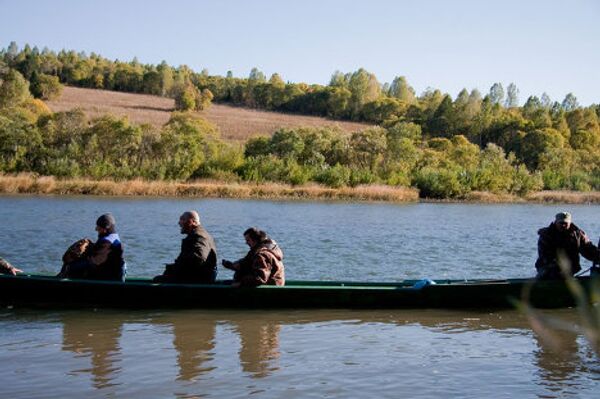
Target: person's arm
{"points": [[7, 268], [259, 273], [546, 251], [587, 249], [235, 266]]}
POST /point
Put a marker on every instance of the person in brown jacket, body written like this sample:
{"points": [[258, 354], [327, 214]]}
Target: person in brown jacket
{"points": [[197, 262], [263, 264], [562, 239]]}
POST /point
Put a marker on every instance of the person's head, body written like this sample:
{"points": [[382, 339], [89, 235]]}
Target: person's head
{"points": [[106, 224], [254, 236], [188, 221], [562, 221]]}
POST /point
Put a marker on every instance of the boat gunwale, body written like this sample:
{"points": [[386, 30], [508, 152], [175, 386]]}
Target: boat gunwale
{"points": [[291, 284]]}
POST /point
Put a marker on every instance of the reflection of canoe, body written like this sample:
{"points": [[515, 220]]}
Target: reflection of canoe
{"points": [[39, 290]]}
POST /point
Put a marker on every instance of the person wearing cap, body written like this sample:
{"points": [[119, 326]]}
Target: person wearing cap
{"points": [[197, 261], [562, 242], [102, 260]]}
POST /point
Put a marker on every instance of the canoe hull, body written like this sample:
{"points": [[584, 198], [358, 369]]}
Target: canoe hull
{"points": [[45, 291]]}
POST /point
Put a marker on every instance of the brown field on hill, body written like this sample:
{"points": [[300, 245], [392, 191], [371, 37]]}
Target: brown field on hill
{"points": [[234, 123]]}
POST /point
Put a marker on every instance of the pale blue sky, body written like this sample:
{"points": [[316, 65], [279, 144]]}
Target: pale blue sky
{"points": [[547, 46]]}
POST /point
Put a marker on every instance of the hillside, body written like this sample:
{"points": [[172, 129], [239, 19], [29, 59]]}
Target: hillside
{"points": [[234, 123]]}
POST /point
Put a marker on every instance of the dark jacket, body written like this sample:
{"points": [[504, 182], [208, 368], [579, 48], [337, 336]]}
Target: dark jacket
{"points": [[197, 261], [552, 243], [263, 264], [102, 260], [106, 255]]}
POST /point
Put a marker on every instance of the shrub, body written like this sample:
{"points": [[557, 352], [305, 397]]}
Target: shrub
{"points": [[438, 183], [335, 176]]}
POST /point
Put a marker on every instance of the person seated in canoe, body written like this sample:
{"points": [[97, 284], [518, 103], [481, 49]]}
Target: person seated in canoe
{"points": [[560, 244], [197, 262], [7, 268], [263, 264], [102, 260]]}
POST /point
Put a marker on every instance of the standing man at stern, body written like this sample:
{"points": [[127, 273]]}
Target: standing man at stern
{"points": [[197, 262], [562, 241]]}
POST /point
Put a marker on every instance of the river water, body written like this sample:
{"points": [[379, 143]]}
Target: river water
{"points": [[300, 353]]}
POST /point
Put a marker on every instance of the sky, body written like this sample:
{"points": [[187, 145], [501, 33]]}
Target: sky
{"points": [[543, 46]]}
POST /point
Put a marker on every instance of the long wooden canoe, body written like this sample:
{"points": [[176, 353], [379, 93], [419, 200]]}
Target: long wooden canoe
{"points": [[39, 290]]}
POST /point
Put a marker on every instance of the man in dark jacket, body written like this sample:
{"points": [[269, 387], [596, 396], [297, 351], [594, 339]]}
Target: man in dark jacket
{"points": [[263, 264], [560, 245], [197, 262]]}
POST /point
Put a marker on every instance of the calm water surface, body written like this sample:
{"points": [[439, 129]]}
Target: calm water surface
{"points": [[102, 353]]}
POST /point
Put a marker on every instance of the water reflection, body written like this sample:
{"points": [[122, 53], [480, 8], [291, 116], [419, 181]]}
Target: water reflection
{"points": [[259, 350], [97, 339], [561, 362], [197, 342], [194, 342]]}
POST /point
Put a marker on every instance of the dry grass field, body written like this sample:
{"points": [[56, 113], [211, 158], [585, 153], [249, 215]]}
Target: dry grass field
{"points": [[234, 123], [31, 184]]}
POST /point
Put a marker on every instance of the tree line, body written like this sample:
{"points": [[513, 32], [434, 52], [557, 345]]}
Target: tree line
{"points": [[446, 147]]}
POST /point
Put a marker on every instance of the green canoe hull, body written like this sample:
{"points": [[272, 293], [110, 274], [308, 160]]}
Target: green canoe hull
{"points": [[47, 291]]}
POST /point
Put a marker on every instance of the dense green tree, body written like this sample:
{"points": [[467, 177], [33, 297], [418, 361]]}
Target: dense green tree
{"points": [[185, 144], [14, 89], [536, 143], [535, 111], [287, 143], [401, 90], [151, 83], [441, 122], [364, 88], [383, 109], [185, 96], [367, 148], [338, 79], [44, 86], [338, 102]]}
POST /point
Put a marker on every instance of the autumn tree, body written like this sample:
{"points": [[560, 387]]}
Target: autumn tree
{"points": [[401, 90]]}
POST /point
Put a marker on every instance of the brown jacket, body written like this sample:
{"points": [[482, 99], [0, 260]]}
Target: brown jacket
{"points": [[262, 265]]}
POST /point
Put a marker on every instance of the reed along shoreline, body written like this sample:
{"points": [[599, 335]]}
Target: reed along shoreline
{"points": [[49, 185]]}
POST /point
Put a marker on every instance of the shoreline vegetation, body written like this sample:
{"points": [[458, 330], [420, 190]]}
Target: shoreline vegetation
{"points": [[25, 183], [431, 147]]}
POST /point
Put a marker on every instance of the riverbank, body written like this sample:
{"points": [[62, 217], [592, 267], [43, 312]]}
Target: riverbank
{"points": [[30, 184], [49, 185]]}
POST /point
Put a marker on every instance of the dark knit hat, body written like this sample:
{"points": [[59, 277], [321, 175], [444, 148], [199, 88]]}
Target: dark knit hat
{"points": [[106, 221], [563, 217]]}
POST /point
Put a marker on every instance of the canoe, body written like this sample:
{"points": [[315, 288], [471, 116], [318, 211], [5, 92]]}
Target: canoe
{"points": [[43, 291]]}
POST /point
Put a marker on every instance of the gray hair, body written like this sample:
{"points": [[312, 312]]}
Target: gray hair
{"points": [[192, 215]]}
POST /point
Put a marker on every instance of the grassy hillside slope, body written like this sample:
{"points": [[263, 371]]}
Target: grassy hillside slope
{"points": [[234, 123]]}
